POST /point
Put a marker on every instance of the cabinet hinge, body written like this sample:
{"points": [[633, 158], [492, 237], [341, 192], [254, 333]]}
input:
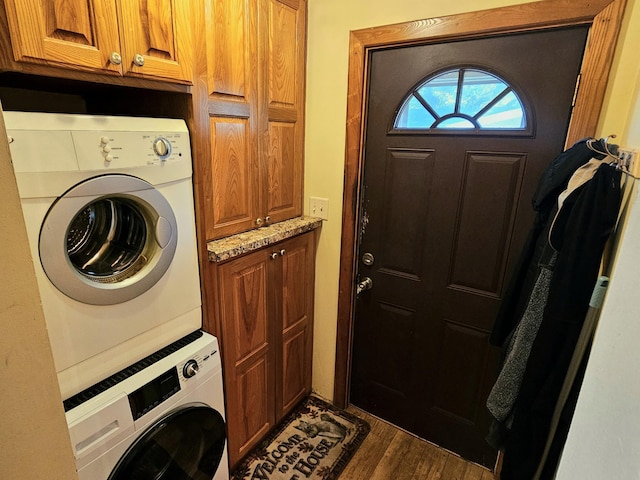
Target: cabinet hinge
{"points": [[575, 92]]}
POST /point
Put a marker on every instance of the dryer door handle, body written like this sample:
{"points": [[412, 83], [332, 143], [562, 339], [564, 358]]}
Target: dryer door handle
{"points": [[163, 232]]}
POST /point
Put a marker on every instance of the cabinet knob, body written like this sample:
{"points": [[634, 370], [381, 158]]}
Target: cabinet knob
{"points": [[282, 252], [258, 221], [267, 219], [115, 58], [138, 60], [274, 255]]}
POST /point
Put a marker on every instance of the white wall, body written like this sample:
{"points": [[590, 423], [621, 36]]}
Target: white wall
{"points": [[34, 440]]}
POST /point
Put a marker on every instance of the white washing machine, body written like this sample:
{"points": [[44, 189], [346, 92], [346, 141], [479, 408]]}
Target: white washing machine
{"points": [[108, 205], [159, 419]]}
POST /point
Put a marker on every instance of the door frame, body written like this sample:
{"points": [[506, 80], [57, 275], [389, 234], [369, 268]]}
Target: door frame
{"points": [[605, 17]]}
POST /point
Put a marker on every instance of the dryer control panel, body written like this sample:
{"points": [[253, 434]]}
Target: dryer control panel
{"points": [[64, 148], [117, 149]]}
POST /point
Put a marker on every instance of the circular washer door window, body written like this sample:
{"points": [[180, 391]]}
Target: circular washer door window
{"points": [[108, 239], [187, 444]]}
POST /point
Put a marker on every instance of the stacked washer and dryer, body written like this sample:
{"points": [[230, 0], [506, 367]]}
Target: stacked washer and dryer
{"points": [[108, 205]]}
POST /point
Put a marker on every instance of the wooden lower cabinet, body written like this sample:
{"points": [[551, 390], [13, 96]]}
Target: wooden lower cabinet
{"points": [[266, 305]]}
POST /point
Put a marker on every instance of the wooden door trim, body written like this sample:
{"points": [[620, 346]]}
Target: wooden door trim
{"points": [[605, 17]]}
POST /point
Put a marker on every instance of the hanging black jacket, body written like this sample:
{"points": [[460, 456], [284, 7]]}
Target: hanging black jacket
{"points": [[591, 215], [552, 182]]}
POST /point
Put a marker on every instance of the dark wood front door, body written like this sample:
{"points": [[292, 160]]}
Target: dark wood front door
{"points": [[445, 210]]}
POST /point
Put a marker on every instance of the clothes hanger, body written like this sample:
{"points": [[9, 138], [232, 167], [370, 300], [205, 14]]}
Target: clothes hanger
{"points": [[614, 154], [610, 151], [606, 148]]}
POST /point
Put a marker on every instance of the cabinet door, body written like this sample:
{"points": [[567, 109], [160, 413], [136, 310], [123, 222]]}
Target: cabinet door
{"points": [[151, 31], [79, 34], [232, 197], [295, 288], [285, 47], [247, 349]]}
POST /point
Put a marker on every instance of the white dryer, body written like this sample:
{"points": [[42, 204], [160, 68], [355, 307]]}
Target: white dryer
{"points": [[159, 419], [108, 205]]}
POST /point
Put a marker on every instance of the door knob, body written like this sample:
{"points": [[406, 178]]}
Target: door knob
{"points": [[365, 284]]}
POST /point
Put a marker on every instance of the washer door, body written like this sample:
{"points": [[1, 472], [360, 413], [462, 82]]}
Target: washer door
{"points": [[108, 239], [186, 444]]}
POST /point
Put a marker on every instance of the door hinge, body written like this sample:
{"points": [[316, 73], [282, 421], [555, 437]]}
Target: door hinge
{"points": [[575, 92]]}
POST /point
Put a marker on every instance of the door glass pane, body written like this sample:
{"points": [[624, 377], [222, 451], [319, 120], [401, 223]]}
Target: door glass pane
{"points": [[456, 122], [507, 113], [478, 89], [414, 115], [440, 92]]}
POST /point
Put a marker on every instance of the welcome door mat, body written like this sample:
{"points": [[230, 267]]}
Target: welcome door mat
{"points": [[316, 441]]}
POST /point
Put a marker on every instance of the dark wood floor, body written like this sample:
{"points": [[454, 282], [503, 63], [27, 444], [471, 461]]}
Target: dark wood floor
{"points": [[389, 453]]}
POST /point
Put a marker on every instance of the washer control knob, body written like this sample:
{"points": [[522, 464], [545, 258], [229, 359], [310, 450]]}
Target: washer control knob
{"points": [[162, 147], [106, 149], [190, 368], [104, 140], [108, 158]]}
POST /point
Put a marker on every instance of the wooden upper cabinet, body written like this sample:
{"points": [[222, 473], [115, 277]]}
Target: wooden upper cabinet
{"points": [[231, 49], [103, 36], [149, 31], [234, 201], [74, 33], [232, 196], [284, 107], [283, 194], [286, 51], [255, 52]]}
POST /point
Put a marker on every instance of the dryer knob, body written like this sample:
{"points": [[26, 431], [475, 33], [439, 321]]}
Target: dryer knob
{"points": [[190, 368], [162, 147]]}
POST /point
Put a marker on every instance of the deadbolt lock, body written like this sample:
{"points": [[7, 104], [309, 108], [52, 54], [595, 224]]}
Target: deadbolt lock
{"points": [[367, 259]]}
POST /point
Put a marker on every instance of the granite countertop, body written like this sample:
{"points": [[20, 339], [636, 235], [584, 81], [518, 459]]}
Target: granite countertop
{"points": [[235, 245]]}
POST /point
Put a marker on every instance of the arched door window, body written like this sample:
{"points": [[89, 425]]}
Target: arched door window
{"points": [[463, 99]]}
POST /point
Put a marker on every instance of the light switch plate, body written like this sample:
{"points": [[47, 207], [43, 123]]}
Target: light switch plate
{"points": [[319, 207]]}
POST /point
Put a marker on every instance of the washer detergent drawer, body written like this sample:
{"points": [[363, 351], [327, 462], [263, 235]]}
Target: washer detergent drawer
{"points": [[100, 429]]}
